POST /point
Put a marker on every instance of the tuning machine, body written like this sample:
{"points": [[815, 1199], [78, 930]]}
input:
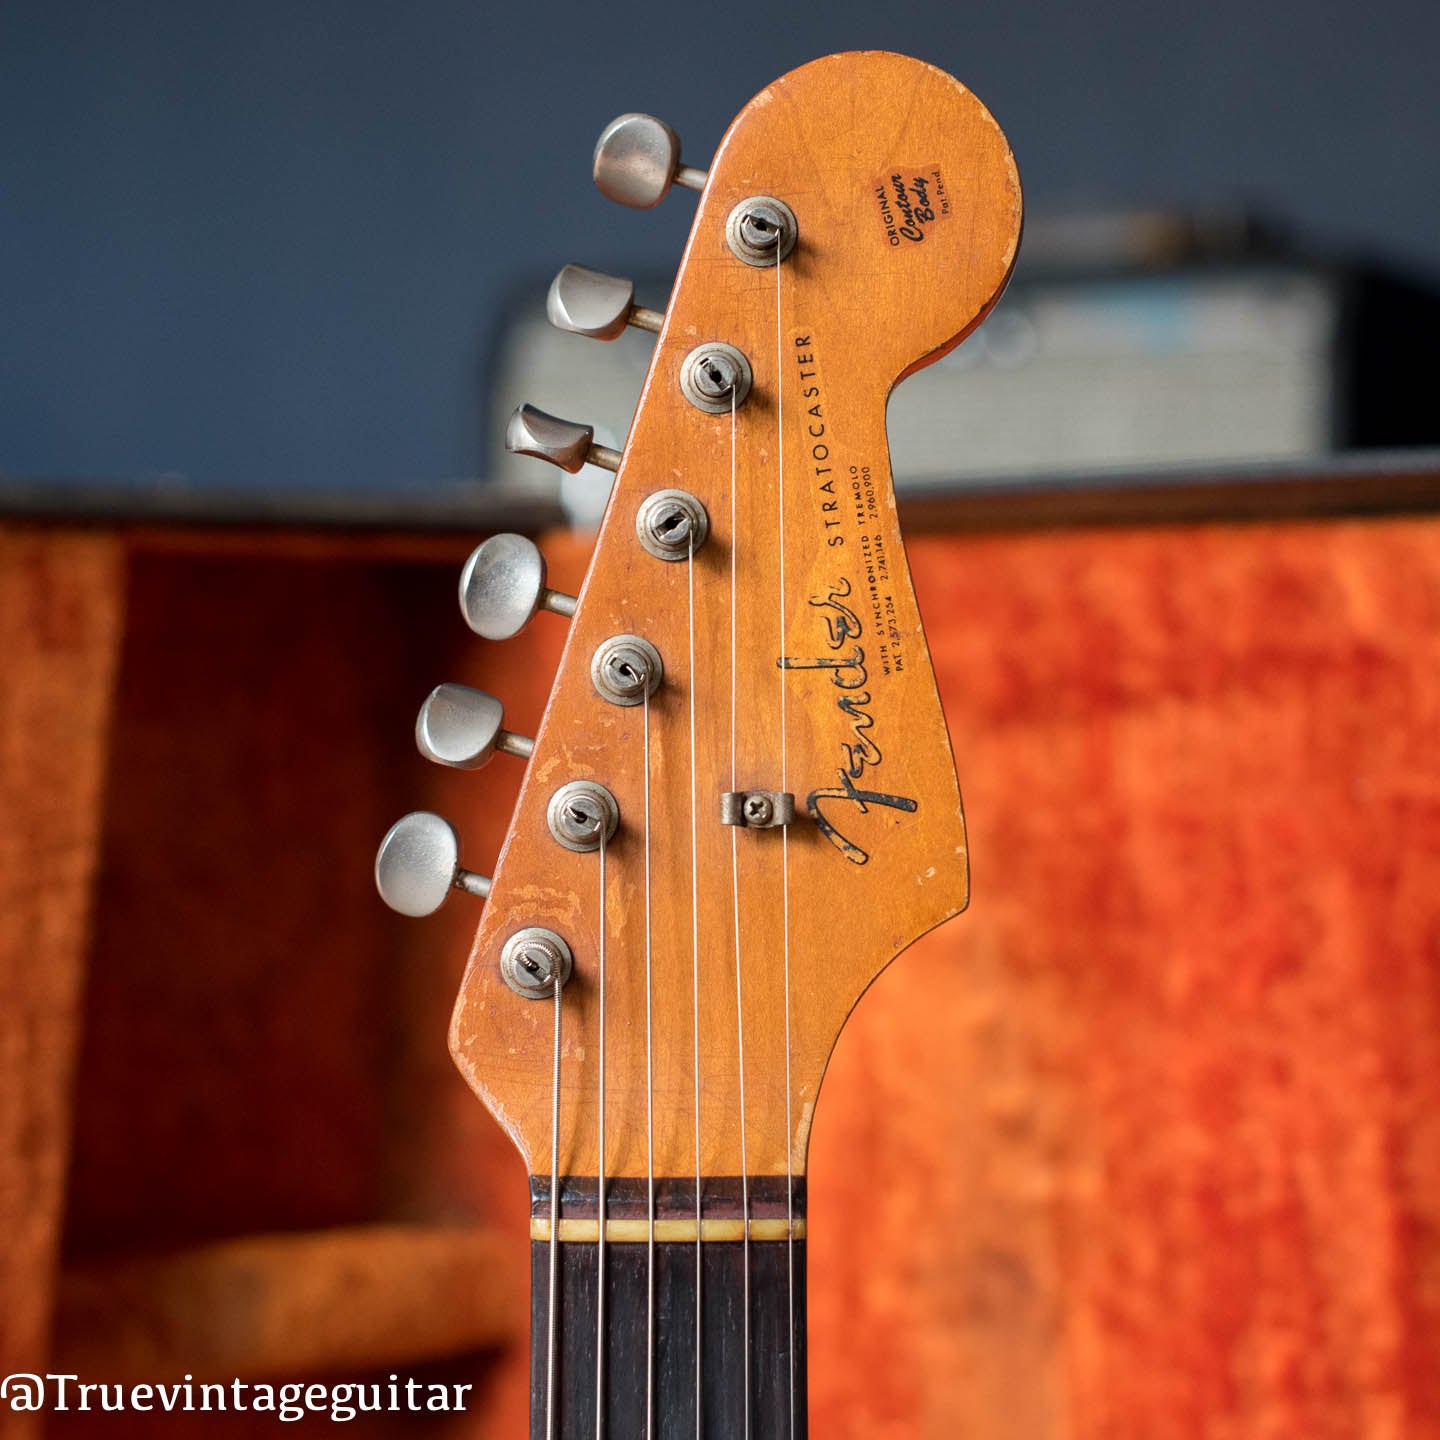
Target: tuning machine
{"points": [[637, 160], [589, 302], [531, 431], [503, 585], [460, 727], [418, 864]]}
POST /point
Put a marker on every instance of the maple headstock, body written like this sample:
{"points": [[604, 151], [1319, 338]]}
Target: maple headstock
{"points": [[796, 617]]}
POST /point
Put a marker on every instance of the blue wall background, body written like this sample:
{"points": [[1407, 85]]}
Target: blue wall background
{"points": [[266, 245]]}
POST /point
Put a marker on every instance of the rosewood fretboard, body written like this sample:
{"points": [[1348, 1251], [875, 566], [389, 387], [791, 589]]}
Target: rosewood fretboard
{"points": [[776, 1268]]}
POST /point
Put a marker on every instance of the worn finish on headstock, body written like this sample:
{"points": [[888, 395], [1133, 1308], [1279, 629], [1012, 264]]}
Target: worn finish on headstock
{"points": [[909, 216]]}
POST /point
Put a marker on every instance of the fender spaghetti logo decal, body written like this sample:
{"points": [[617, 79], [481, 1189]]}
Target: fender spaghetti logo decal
{"points": [[911, 200], [848, 674]]}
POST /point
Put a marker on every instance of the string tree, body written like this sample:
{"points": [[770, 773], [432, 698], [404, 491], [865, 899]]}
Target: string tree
{"points": [[757, 809]]}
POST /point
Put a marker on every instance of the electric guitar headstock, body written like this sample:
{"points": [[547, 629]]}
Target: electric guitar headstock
{"points": [[741, 803]]}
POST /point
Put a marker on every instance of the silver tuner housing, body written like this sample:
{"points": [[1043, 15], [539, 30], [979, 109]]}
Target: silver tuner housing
{"points": [[672, 524], [502, 586], [626, 669], [761, 231], [716, 377], [588, 302], [637, 160], [418, 864], [461, 728], [581, 814], [534, 960], [534, 432]]}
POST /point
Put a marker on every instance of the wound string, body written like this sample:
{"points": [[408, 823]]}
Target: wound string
{"points": [[554, 1222]]}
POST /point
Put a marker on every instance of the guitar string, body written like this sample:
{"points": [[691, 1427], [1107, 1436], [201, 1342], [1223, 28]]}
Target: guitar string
{"points": [[740, 1024], [649, 1108], [695, 977], [785, 840], [735, 899], [600, 1249], [554, 1221]]}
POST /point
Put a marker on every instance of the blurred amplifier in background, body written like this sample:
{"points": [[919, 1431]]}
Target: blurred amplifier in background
{"points": [[1126, 342]]}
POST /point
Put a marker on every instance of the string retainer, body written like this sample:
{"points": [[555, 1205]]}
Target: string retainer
{"points": [[757, 809]]}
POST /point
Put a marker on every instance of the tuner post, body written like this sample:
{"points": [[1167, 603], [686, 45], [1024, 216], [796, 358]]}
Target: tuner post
{"points": [[716, 378], [534, 961], [626, 669], [761, 231], [582, 815], [672, 524]]}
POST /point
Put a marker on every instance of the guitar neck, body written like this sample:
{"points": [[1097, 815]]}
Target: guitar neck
{"points": [[735, 1310]]}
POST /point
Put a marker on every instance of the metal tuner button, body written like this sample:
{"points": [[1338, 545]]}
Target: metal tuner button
{"points": [[532, 431], [418, 864], [588, 302], [637, 160], [460, 727], [503, 585]]}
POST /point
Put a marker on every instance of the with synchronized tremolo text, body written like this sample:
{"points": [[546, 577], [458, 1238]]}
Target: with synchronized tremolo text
{"points": [[744, 728]]}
